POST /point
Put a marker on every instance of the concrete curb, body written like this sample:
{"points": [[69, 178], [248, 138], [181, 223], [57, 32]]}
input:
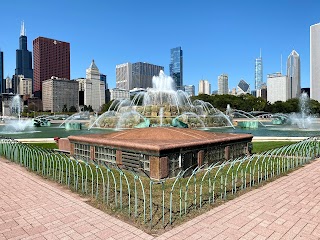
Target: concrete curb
{"points": [[277, 139], [36, 140]]}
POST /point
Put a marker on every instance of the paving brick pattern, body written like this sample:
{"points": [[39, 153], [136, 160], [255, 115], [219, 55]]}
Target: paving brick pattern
{"points": [[32, 208]]}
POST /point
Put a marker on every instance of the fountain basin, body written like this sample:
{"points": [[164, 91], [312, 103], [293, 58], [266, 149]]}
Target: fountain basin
{"points": [[73, 126], [249, 124]]}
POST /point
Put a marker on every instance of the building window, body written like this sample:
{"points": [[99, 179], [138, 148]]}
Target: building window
{"points": [[82, 151], [105, 154]]}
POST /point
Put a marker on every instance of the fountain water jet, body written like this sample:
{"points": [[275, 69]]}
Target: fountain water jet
{"points": [[302, 119], [17, 124]]}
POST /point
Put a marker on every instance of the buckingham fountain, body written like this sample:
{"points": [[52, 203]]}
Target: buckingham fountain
{"points": [[161, 106]]}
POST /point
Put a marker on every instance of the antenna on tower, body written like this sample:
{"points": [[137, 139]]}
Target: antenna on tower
{"points": [[23, 30], [260, 52]]}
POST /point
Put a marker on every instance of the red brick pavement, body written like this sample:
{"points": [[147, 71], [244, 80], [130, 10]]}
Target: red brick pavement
{"points": [[288, 208], [33, 208]]}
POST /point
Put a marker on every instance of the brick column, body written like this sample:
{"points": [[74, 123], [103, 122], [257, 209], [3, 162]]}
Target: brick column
{"points": [[164, 167], [71, 148], [200, 158], [154, 167], [227, 152], [119, 157], [92, 153]]}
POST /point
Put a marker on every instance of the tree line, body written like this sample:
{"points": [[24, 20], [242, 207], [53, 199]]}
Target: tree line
{"points": [[248, 103]]}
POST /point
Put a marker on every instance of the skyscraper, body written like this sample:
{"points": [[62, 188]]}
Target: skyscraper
{"points": [[315, 61], [142, 74], [23, 56], [176, 67], [124, 76], [223, 84], [51, 58], [204, 87], [2, 80], [258, 73], [278, 87], [190, 90], [103, 78], [95, 94], [136, 75], [293, 74]]}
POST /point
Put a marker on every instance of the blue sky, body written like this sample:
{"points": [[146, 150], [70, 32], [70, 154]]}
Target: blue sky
{"points": [[216, 36]]}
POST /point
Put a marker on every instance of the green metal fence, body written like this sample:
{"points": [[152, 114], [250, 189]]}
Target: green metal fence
{"points": [[158, 204]]}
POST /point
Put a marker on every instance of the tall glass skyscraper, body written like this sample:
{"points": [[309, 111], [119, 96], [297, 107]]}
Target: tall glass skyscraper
{"points": [[23, 56], [176, 67], [293, 74], [315, 61], [103, 78], [258, 73], [2, 80]]}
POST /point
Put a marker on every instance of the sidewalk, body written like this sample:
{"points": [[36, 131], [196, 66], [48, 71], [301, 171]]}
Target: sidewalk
{"points": [[33, 208]]}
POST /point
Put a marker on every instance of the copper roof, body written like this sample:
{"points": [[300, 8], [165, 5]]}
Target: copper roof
{"points": [[159, 138]]}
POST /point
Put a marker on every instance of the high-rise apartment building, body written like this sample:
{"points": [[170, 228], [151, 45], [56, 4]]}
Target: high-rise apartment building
{"points": [[223, 87], [293, 74], [124, 76], [2, 80], [51, 58], [142, 74], [204, 87], [315, 61], [23, 56], [176, 67], [278, 87], [59, 92], [258, 73]]}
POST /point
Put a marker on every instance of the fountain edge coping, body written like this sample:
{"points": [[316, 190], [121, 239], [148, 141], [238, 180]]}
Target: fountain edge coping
{"points": [[36, 140]]}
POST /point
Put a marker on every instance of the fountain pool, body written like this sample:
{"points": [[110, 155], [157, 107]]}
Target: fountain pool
{"points": [[270, 130]]}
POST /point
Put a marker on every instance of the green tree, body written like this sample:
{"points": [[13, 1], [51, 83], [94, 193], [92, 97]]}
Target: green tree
{"points": [[65, 109], [106, 106], [72, 109]]}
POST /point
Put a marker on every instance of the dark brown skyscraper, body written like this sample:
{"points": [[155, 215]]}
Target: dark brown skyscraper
{"points": [[51, 58]]}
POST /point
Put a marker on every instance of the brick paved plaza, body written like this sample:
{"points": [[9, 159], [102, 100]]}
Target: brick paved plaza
{"points": [[34, 208]]}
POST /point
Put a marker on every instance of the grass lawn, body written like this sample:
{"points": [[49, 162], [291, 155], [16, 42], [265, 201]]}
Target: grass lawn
{"points": [[259, 147], [45, 145]]}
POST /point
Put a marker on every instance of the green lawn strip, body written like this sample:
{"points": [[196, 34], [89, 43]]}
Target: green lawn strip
{"points": [[45, 145], [259, 147]]}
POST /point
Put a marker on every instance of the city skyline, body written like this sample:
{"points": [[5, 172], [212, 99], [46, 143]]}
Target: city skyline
{"points": [[205, 55]]}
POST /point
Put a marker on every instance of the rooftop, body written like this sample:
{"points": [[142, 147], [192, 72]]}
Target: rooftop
{"points": [[159, 138]]}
